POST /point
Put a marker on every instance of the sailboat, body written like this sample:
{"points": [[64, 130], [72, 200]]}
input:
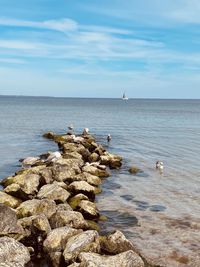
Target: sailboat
{"points": [[124, 97]]}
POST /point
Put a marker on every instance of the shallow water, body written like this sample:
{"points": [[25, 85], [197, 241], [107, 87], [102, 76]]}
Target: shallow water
{"points": [[160, 213]]}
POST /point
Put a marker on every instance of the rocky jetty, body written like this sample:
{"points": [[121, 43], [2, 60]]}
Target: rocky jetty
{"points": [[48, 210]]}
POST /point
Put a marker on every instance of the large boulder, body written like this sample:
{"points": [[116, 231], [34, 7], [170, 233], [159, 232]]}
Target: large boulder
{"points": [[36, 207], [66, 217], [13, 253], [25, 185], [86, 241], [124, 259], [95, 171], [111, 160], [54, 192], [63, 173], [75, 200], [8, 221], [84, 188], [115, 243], [57, 238], [8, 200], [88, 209]]}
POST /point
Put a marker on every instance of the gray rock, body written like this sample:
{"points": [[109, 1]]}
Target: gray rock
{"points": [[66, 217], [8, 221], [13, 252], [124, 259], [36, 207], [57, 238], [86, 241], [53, 192]]}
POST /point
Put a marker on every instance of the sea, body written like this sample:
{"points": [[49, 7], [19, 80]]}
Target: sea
{"points": [[158, 212]]}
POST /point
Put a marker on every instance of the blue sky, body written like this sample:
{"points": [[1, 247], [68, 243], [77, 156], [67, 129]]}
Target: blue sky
{"points": [[90, 48]]}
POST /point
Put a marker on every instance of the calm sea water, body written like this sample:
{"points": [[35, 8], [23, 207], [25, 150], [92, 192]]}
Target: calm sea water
{"points": [[160, 213]]}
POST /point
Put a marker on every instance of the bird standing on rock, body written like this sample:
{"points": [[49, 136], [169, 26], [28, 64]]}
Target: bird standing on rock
{"points": [[85, 131]]}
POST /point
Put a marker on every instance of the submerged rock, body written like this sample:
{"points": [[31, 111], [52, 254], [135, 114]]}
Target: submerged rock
{"points": [[13, 253], [124, 259], [86, 241], [134, 170]]}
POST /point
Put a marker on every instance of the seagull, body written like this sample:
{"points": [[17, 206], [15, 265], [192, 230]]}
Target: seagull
{"points": [[109, 137], [85, 131], [53, 156], [71, 127], [159, 165]]}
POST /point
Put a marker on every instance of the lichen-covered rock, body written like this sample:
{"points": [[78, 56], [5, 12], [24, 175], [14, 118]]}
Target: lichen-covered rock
{"points": [[66, 217], [95, 171], [57, 238], [8, 221], [13, 252], [93, 157], [86, 241], [36, 207], [64, 206], [8, 200], [63, 173], [124, 259], [75, 200], [84, 188], [91, 179], [54, 192], [115, 243], [111, 160], [88, 209], [27, 185]]}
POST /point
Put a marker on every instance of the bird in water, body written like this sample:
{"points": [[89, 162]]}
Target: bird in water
{"points": [[159, 166], [109, 138]]}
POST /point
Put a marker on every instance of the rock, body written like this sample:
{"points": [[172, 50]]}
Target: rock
{"points": [[13, 252], [8, 200], [37, 224], [75, 264], [91, 179], [46, 175], [64, 206], [88, 209], [124, 259], [84, 188], [57, 238], [54, 192], [115, 243], [28, 185], [55, 259], [74, 201], [66, 217], [36, 207], [111, 160], [72, 155], [27, 162], [99, 150], [95, 171], [86, 241], [134, 170], [8, 221], [49, 135], [93, 157], [63, 173]]}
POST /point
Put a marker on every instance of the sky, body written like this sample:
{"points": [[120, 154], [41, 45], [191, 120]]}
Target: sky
{"points": [[92, 48]]}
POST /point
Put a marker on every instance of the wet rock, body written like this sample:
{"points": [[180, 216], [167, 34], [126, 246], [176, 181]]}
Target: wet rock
{"points": [[88, 209], [57, 238], [8, 200], [93, 157], [86, 241], [115, 243], [124, 259], [95, 171], [82, 187], [27, 185], [13, 252], [8, 221], [54, 192], [111, 160], [134, 170], [74, 201], [49, 135], [71, 218], [36, 207]]}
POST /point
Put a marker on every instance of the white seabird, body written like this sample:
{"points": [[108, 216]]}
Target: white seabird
{"points": [[71, 127], [159, 165], [86, 131]]}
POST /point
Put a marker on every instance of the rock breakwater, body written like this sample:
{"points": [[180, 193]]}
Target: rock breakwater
{"points": [[48, 209]]}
